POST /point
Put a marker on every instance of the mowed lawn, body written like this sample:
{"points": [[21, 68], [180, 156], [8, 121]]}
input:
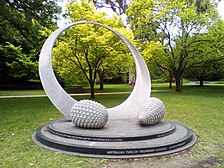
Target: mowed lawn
{"points": [[201, 109]]}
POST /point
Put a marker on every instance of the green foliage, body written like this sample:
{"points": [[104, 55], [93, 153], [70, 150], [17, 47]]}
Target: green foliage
{"points": [[211, 66], [22, 66], [90, 49], [22, 24], [118, 6], [175, 35], [208, 71]]}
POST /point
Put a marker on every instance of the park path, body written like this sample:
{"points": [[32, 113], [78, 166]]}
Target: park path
{"points": [[77, 94]]}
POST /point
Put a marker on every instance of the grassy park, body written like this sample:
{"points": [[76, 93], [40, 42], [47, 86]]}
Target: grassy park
{"points": [[200, 108], [178, 39]]}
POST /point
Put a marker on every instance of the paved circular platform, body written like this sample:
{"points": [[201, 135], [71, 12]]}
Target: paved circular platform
{"points": [[115, 130], [119, 139]]}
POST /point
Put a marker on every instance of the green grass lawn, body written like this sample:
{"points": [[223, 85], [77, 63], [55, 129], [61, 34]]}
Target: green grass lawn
{"points": [[107, 88], [201, 109], [21, 92]]}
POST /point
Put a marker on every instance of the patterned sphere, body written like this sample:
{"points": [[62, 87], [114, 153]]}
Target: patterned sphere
{"points": [[151, 112], [89, 114]]}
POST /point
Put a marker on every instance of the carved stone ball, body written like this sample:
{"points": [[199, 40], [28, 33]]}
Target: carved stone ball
{"points": [[89, 114], [151, 112]]}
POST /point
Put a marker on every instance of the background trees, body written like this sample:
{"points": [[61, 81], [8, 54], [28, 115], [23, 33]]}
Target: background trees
{"points": [[23, 27], [91, 49], [118, 6], [179, 28], [176, 38]]}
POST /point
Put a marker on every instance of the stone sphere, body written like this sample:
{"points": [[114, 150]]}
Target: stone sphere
{"points": [[151, 112], [89, 114]]}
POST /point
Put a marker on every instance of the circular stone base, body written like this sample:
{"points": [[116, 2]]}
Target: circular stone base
{"points": [[119, 139], [114, 131]]}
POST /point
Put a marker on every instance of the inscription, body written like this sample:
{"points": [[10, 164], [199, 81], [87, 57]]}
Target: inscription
{"points": [[86, 138], [115, 152], [177, 145], [161, 149], [144, 151], [165, 134], [107, 139], [132, 152]]}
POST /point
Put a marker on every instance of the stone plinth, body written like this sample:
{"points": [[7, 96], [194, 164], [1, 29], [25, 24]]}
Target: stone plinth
{"points": [[119, 139]]}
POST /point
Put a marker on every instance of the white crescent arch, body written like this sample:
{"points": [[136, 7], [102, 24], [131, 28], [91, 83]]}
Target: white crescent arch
{"points": [[64, 102]]}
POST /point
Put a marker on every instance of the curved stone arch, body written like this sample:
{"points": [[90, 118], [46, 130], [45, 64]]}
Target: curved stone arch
{"points": [[64, 102]]}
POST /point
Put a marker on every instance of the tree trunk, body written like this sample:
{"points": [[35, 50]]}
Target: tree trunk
{"points": [[101, 80], [170, 82], [201, 81], [92, 90], [178, 84], [132, 77]]}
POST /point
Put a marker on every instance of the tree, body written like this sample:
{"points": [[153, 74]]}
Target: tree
{"points": [[118, 6], [118, 60], [207, 71], [90, 48], [178, 27], [22, 24], [210, 68], [22, 66]]}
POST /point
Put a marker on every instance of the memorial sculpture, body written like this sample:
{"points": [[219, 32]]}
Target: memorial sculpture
{"points": [[89, 114], [87, 121]]}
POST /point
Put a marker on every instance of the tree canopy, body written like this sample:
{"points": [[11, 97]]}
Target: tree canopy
{"points": [[178, 37], [118, 6], [23, 27], [174, 34], [91, 49]]}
